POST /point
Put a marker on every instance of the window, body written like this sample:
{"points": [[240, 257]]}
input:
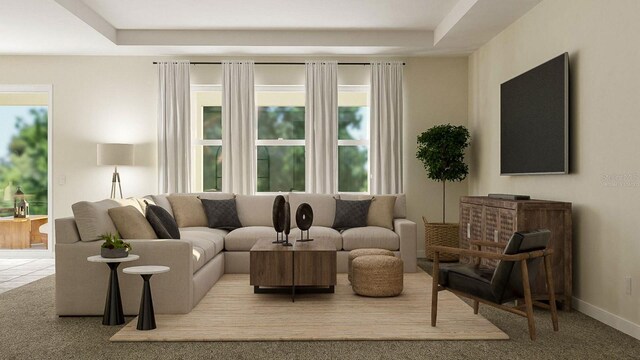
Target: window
{"points": [[207, 142], [25, 123], [353, 139], [281, 133]]}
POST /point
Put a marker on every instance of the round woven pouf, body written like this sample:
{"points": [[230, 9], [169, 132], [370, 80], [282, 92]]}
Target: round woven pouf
{"points": [[362, 252], [377, 275]]}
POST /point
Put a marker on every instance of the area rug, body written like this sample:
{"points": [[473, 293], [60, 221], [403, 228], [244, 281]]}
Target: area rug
{"points": [[232, 312]]}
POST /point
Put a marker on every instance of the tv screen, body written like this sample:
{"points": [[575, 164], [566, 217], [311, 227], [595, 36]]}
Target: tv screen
{"points": [[534, 120]]}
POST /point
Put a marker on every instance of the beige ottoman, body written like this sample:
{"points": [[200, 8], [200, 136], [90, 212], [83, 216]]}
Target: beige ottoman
{"points": [[361, 252], [377, 275]]}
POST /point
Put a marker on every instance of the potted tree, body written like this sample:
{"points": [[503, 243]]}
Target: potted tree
{"points": [[441, 150]]}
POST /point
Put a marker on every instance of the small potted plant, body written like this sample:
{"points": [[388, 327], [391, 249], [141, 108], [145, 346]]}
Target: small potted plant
{"points": [[441, 150], [114, 247]]}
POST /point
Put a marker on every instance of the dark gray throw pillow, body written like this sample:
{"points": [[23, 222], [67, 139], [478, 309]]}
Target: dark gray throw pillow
{"points": [[351, 214], [162, 222], [221, 214]]}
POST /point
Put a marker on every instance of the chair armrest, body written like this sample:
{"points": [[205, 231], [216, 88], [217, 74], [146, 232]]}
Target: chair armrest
{"points": [[490, 255], [407, 231]]}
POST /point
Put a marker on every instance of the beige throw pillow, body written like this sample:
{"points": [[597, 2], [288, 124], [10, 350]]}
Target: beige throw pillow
{"points": [[381, 211], [131, 224], [93, 219], [188, 210]]}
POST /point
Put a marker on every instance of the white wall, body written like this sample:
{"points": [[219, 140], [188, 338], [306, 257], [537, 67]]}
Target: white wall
{"points": [[113, 99], [602, 40]]}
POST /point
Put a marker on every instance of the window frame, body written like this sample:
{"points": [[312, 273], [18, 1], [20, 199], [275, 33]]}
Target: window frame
{"points": [[276, 142], [195, 140], [366, 142]]}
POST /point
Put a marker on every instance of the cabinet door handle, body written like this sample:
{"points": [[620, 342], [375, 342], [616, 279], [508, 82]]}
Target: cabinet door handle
{"points": [[468, 230], [495, 235]]}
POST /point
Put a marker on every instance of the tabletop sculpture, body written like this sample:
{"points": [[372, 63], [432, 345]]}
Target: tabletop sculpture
{"points": [[278, 218], [304, 219]]}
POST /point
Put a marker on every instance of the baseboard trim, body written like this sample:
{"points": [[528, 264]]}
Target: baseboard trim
{"points": [[607, 318]]}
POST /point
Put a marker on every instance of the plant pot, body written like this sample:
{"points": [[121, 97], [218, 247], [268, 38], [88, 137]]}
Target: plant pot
{"points": [[439, 234], [114, 253]]}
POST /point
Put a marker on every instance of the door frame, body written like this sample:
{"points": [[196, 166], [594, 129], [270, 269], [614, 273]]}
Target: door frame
{"points": [[49, 252]]}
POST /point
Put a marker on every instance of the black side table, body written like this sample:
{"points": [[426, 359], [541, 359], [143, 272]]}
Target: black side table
{"points": [[113, 314], [146, 316]]}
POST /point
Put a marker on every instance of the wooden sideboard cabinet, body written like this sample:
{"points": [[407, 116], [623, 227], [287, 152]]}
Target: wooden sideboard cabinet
{"points": [[490, 219]]}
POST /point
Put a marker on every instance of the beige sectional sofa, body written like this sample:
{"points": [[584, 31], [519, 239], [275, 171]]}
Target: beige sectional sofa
{"points": [[202, 255]]}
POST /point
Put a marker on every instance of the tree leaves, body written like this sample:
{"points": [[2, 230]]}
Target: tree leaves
{"points": [[441, 150]]}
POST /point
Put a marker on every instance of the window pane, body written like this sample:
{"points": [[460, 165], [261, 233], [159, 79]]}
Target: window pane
{"points": [[281, 122], [212, 122], [212, 168], [353, 168], [353, 122], [24, 153], [280, 168]]}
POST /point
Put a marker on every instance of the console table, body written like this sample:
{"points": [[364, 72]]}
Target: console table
{"points": [[489, 219]]}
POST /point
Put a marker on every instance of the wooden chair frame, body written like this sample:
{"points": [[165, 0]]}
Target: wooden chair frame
{"points": [[521, 258]]}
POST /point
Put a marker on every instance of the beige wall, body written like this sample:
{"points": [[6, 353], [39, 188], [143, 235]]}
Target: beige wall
{"points": [[113, 99], [602, 40]]}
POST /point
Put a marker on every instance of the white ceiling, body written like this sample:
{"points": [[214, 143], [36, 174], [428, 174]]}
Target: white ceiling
{"points": [[253, 27]]}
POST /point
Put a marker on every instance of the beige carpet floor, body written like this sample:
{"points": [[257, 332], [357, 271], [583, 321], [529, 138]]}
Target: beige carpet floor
{"points": [[232, 312]]}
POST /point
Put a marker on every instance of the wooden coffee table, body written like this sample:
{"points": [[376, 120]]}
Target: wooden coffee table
{"points": [[304, 267]]}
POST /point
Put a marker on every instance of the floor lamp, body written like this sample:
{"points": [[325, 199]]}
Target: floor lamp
{"points": [[115, 154]]}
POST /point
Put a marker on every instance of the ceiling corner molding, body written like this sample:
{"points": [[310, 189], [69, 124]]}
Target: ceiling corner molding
{"points": [[90, 17], [460, 9], [265, 38]]}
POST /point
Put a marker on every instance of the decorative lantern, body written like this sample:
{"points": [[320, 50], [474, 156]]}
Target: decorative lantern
{"points": [[20, 205]]}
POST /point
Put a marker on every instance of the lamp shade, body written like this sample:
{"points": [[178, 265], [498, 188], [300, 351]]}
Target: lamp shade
{"points": [[115, 154]]}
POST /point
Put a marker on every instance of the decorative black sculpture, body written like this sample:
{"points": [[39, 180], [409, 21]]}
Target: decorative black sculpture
{"points": [[304, 219], [278, 218], [287, 224]]}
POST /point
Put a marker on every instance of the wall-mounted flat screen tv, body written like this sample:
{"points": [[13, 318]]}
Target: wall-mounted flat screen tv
{"points": [[534, 120]]}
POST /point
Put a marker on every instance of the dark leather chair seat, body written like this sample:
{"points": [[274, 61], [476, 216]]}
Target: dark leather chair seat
{"points": [[468, 279]]}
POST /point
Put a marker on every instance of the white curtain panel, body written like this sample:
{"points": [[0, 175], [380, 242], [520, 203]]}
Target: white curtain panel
{"points": [[386, 128], [238, 127], [321, 126], [174, 126]]}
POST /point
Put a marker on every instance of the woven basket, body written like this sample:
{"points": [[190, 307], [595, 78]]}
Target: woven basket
{"points": [[439, 234]]}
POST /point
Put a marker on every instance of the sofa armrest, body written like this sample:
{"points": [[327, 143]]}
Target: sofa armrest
{"points": [[407, 231], [81, 285]]}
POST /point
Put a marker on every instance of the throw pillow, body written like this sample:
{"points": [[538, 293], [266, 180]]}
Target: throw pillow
{"points": [[221, 214], [381, 211], [162, 222], [188, 210], [131, 224], [351, 213], [92, 218]]}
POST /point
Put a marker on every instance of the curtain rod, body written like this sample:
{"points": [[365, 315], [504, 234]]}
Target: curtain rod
{"points": [[269, 63]]}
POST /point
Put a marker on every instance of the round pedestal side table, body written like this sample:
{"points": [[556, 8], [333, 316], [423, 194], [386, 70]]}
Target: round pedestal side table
{"points": [[146, 316], [113, 314]]}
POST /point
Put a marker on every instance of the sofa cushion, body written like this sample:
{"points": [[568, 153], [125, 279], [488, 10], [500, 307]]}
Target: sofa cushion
{"points": [[370, 237], [400, 208], [221, 214], [162, 201], [92, 218], [324, 207], [206, 242], [255, 210], [162, 222], [187, 210], [320, 232], [351, 213], [130, 223], [243, 239], [381, 211]]}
